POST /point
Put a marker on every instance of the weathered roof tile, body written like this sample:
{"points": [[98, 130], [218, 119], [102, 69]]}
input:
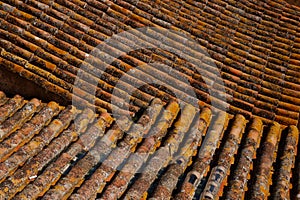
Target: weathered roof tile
{"points": [[253, 44]]}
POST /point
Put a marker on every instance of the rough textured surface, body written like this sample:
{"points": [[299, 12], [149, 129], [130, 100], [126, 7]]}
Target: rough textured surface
{"points": [[239, 141], [54, 152], [254, 45]]}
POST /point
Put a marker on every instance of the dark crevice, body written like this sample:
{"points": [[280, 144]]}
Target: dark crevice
{"points": [[12, 83]]}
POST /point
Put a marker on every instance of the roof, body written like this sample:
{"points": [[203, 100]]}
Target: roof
{"points": [[56, 152], [253, 44], [139, 99]]}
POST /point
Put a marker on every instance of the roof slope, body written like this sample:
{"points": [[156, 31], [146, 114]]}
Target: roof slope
{"points": [[254, 44], [55, 152]]}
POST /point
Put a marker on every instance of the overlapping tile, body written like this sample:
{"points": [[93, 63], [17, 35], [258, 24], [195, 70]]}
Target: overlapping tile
{"points": [[253, 44], [59, 39], [164, 154]]}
